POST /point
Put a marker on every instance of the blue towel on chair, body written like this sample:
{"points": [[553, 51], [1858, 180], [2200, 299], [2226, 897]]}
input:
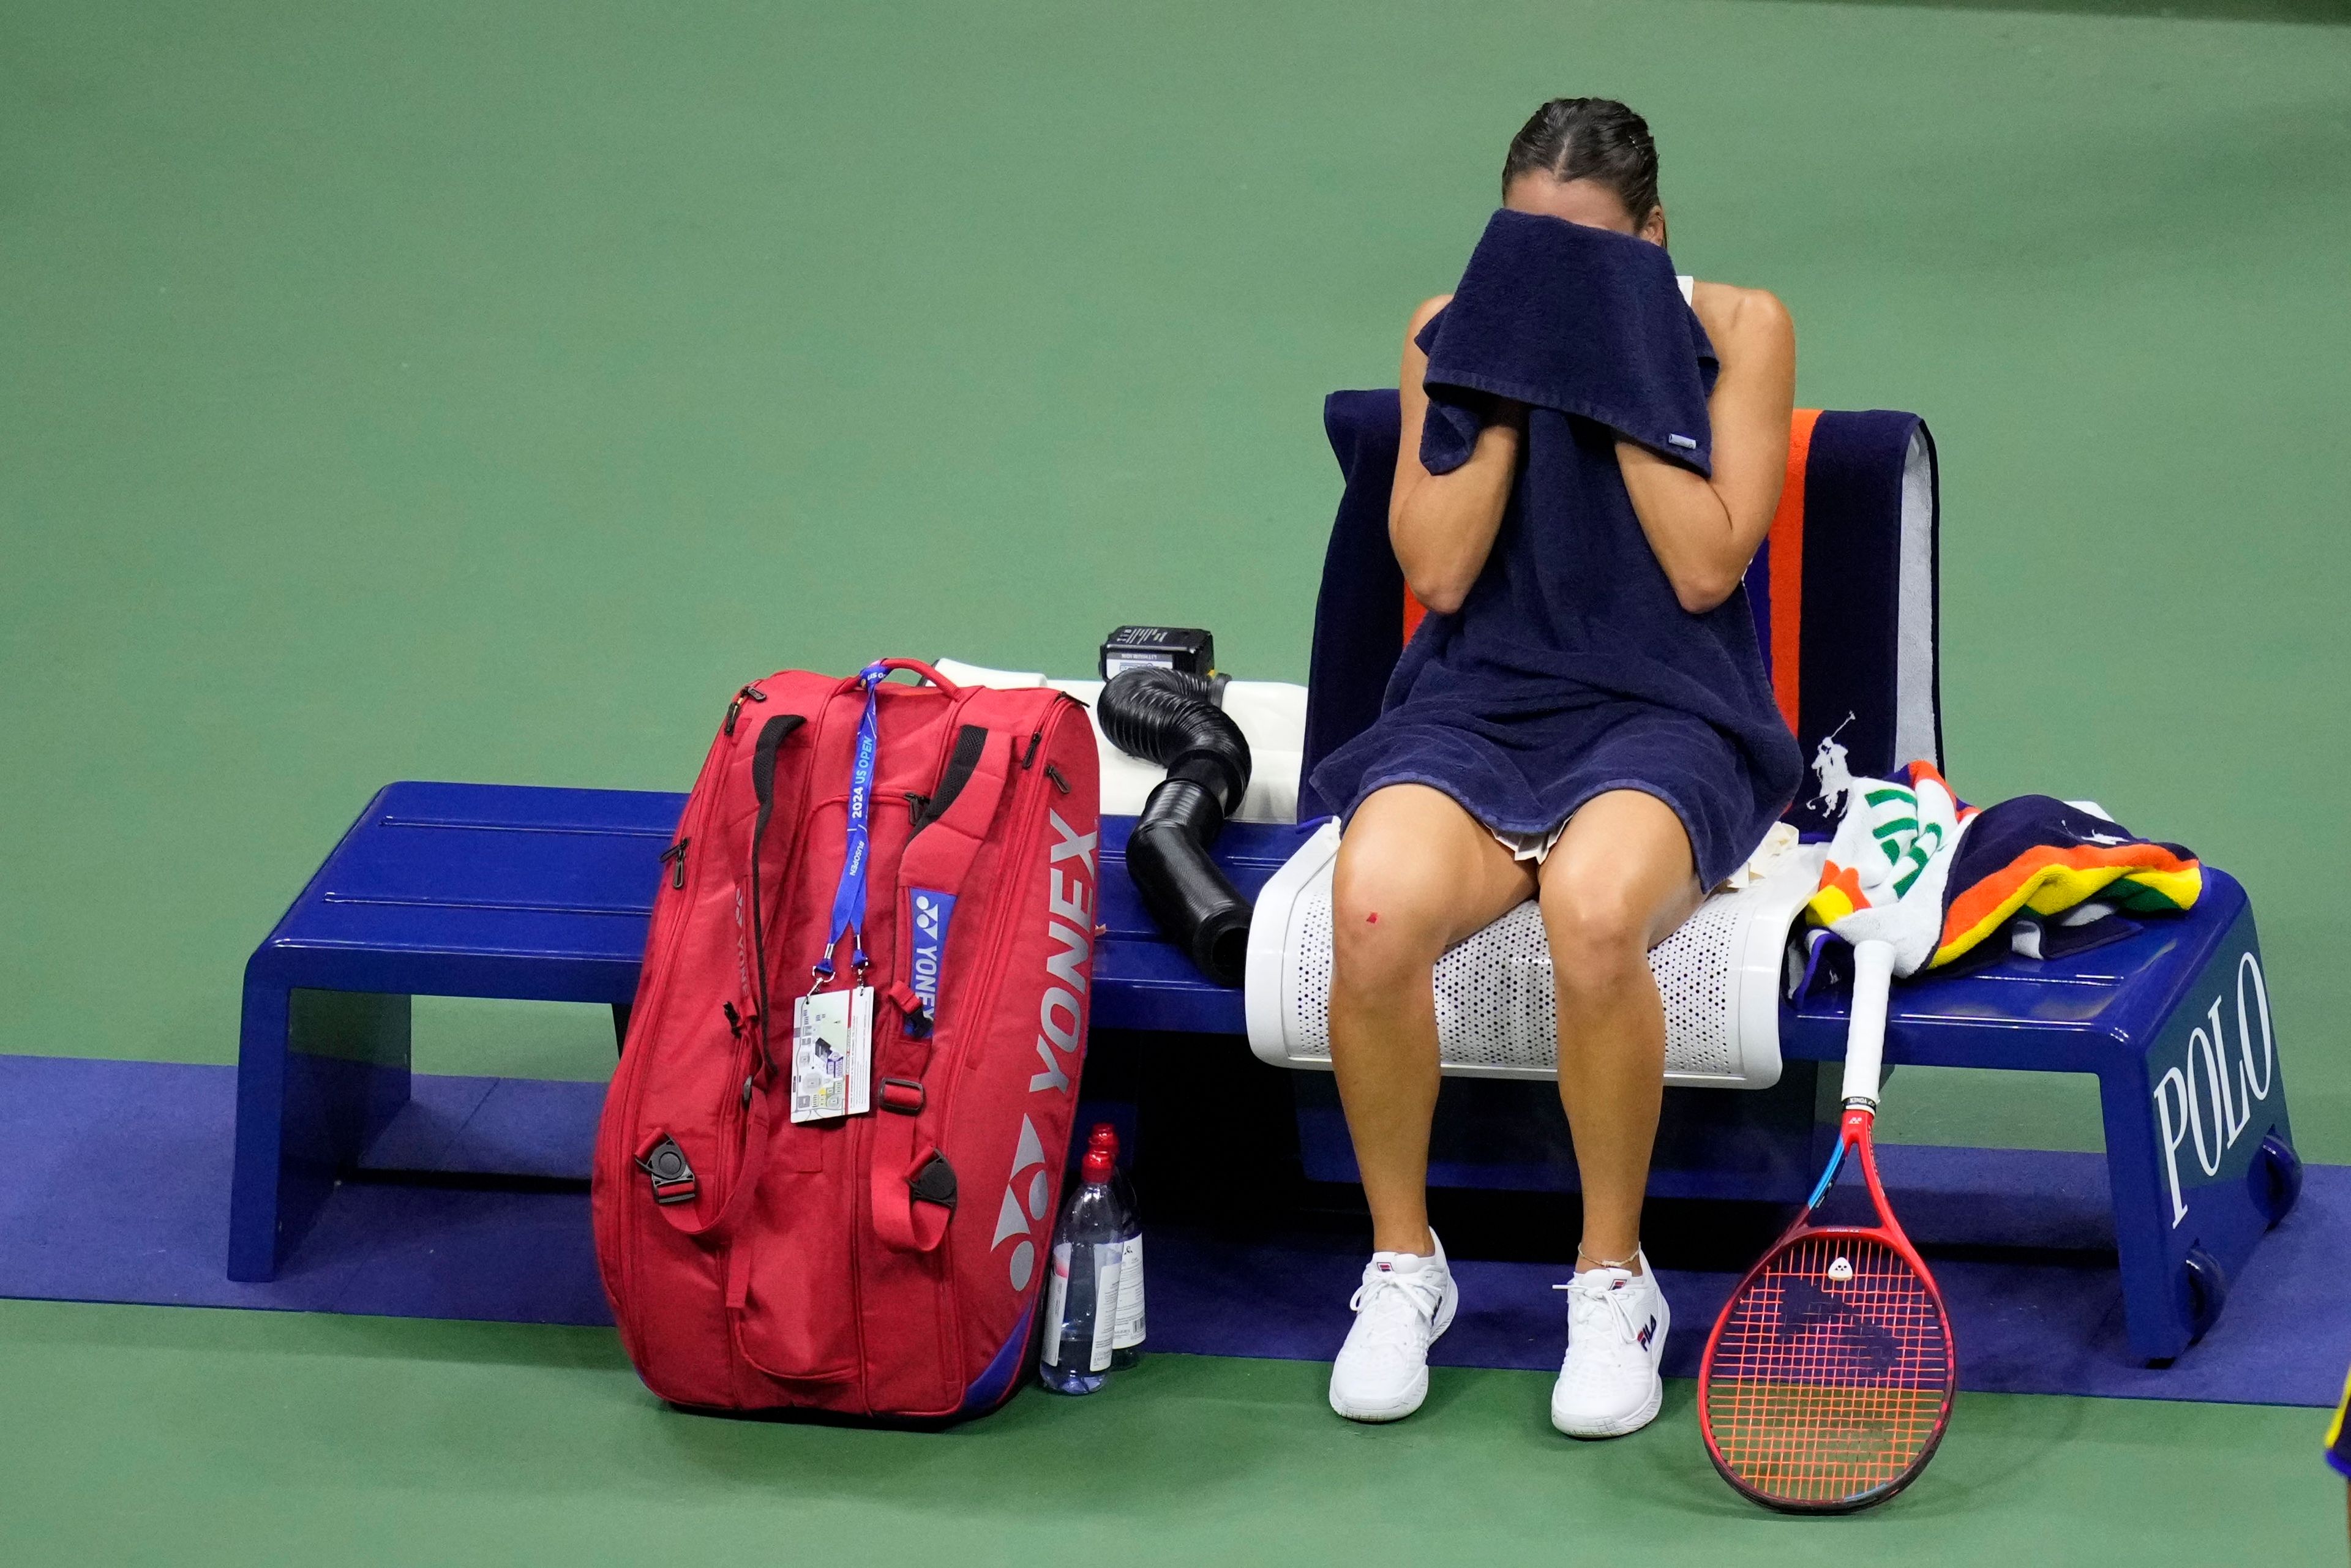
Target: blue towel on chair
{"points": [[1571, 669]]}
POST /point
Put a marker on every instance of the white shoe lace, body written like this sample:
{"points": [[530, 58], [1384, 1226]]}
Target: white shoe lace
{"points": [[1420, 1292], [1588, 1306]]}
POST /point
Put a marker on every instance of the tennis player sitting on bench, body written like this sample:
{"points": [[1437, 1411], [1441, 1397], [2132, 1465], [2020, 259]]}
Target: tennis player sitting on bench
{"points": [[1615, 810]]}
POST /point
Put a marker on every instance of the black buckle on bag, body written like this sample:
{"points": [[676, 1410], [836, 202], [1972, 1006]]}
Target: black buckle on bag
{"points": [[665, 1166], [934, 1183], [906, 1096]]}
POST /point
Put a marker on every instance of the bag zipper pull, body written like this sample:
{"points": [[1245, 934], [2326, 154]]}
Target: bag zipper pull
{"points": [[675, 857], [735, 708], [1055, 775], [1029, 756]]}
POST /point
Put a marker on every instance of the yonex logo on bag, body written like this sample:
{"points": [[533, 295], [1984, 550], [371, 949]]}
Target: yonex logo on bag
{"points": [[1069, 922], [927, 950], [1015, 1217], [1060, 1023]]}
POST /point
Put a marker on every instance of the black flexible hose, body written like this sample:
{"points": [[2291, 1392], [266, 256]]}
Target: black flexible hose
{"points": [[1166, 716]]}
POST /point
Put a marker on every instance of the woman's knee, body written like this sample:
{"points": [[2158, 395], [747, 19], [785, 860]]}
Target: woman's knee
{"points": [[1599, 932], [1388, 925], [1617, 884]]}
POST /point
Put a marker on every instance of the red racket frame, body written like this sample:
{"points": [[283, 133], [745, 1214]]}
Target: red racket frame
{"points": [[1854, 1133]]}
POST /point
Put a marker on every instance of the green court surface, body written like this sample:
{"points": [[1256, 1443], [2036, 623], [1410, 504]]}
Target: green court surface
{"points": [[483, 392], [156, 1435]]}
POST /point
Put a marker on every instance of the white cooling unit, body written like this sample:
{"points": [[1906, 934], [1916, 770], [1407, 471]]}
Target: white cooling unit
{"points": [[1495, 1010]]}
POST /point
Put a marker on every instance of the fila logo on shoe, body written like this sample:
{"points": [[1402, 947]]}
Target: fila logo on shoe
{"points": [[1648, 1332], [1060, 1023]]}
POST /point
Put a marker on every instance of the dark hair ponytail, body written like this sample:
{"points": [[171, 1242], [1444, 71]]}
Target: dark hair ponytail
{"points": [[1589, 138]]}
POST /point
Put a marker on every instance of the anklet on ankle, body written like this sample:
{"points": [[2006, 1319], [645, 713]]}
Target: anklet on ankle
{"points": [[1583, 1257]]}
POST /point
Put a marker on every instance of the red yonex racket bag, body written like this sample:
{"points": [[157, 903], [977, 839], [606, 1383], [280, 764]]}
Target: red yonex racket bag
{"points": [[937, 843]]}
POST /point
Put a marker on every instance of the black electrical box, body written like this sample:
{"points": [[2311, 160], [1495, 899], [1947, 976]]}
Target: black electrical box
{"points": [[1185, 648]]}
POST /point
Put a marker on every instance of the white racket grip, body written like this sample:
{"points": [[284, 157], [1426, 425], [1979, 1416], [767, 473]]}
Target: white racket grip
{"points": [[1865, 1040]]}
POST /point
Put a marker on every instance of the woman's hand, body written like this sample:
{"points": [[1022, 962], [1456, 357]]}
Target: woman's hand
{"points": [[1705, 531], [1442, 526]]}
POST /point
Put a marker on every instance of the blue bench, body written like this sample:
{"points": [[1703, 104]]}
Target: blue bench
{"points": [[538, 895], [444, 889], [491, 891], [503, 891]]}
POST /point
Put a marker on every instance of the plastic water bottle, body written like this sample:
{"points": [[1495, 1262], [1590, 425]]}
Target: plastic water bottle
{"points": [[1081, 1297], [1127, 1325]]}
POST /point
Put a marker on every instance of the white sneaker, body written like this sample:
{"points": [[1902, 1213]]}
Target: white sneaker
{"points": [[1608, 1383], [1404, 1302]]}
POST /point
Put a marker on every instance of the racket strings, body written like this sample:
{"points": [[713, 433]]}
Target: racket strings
{"points": [[1832, 1374]]}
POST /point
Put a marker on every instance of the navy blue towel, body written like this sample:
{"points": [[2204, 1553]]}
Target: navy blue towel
{"points": [[1581, 321], [1571, 669]]}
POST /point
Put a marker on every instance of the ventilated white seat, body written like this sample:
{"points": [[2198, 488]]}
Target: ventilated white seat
{"points": [[1719, 973]]}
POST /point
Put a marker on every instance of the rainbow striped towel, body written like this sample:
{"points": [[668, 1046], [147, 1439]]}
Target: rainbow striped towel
{"points": [[1913, 865]]}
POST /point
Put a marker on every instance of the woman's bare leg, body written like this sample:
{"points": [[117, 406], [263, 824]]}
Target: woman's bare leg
{"points": [[1617, 884], [1415, 874]]}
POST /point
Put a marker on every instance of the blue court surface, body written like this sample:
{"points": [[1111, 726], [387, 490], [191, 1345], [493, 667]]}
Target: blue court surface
{"points": [[124, 1198]]}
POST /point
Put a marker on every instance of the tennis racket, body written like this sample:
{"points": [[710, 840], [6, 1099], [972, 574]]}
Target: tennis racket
{"points": [[1828, 1378]]}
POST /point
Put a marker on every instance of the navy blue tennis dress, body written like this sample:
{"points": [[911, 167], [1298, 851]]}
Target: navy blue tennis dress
{"points": [[1571, 669]]}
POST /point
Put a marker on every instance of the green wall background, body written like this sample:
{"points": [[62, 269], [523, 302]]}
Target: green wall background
{"points": [[482, 392]]}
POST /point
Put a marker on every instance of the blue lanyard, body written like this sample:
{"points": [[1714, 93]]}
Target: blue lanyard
{"points": [[848, 898]]}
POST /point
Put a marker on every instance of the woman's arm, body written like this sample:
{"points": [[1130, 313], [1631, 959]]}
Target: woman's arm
{"points": [[1705, 531], [1442, 526]]}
